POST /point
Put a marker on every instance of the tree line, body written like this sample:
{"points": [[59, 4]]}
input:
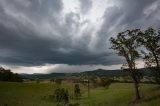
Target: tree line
{"points": [[137, 44], [7, 75]]}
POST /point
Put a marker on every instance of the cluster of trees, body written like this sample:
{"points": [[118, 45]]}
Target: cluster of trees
{"points": [[61, 96], [57, 80], [135, 44], [7, 75]]}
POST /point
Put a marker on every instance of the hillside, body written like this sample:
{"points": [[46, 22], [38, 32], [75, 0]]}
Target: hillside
{"points": [[98, 72]]}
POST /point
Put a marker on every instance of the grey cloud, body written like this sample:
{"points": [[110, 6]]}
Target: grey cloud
{"points": [[85, 5], [126, 14], [33, 32]]}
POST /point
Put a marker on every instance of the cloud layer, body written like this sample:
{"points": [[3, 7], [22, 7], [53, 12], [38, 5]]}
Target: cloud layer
{"points": [[40, 32]]}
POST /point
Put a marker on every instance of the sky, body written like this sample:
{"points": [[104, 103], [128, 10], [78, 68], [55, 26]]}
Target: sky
{"points": [[44, 36]]}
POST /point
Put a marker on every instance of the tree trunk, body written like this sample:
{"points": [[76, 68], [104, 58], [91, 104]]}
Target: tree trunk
{"points": [[137, 94], [157, 69], [137, 91], [131, 65], [156, 59], [157, 74]]}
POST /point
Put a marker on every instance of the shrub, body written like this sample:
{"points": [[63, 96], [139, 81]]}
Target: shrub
{"points": [[61, 95], [104, 82]]}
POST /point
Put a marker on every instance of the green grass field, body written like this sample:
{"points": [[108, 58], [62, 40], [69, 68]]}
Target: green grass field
{"points": [[118, 94]]}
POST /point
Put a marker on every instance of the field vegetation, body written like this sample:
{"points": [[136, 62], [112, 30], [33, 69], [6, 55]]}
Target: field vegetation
{"points": [[39, 94]]}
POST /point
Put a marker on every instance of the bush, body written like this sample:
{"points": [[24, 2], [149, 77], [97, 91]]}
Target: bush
{"points": [[104, 82], [61, 95]]}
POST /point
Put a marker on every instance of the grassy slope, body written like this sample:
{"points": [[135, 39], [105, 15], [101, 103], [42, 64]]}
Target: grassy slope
{"points": [[118, 94]]}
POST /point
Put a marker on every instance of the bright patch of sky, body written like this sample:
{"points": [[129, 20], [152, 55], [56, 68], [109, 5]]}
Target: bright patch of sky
{"points": [[94, 15]]}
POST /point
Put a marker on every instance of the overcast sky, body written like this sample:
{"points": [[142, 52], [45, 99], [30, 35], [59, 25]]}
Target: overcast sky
{"points": [[41, 36]]}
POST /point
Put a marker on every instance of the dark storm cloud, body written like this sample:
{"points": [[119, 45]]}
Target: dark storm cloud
{"points": [[128, 14], [35, 32]]}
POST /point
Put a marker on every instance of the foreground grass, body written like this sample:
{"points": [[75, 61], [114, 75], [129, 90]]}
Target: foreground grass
{"points": [[118, 94]]}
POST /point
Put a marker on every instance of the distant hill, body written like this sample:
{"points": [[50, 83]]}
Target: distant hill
{"points": [[98, 72], [111, 73], [42, 76], [102, 72]]}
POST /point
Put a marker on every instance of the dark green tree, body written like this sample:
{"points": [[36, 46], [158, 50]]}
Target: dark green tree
{"points": [[150, 39], [7, 75], [125, 44]]}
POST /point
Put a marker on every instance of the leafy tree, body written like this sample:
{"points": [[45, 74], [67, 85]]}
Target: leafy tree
{"points": [[125, 44], [77, 91], [150, 39]]}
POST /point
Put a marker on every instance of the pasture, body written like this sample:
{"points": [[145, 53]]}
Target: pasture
{"points": [[37, 94]]}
